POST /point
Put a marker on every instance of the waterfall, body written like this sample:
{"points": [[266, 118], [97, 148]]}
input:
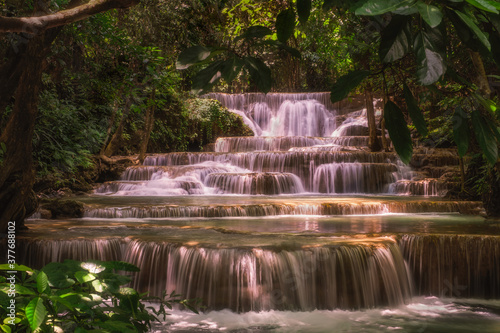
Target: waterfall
{"points": [[300, 217], [345, 275]]}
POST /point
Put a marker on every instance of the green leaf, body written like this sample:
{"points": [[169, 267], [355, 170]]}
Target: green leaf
{"points": [[431, 14], [5, 328], [60, 300], [398, 131], [466, 35], [80, 330], [98, 286], [256, 31], [205, 79], [119, 266], [430, 56], [415, 113], [42, 282], [293, 51], [192, 56], [489, 6], [303, 10], [469, 22], [231, 69], [485, 137], [396, 39], [35, 313], [20, 289], [83, 276], [461, 131], [377, 7], [259, 73], [19, 268], [285, 24], [346, 83], [115, 325]]}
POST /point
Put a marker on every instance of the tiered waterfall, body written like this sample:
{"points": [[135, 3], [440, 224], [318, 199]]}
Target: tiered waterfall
{"points": [[301, 216]]}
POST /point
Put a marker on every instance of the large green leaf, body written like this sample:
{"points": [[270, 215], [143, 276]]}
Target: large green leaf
{"points": [[303, 10], [346, 83], [430, 55], [119, 266], [485, 137], [377, 7], [415, 113], [469, 22], [489, 6], [192, 56], [396, 39], [431, 14], [15, 267], [285, 24], [259, 73], [35, 313], [398, 131], [461, 131], [231, 68], [256, 31], [42, 282], [205, 79], [83, 276]]}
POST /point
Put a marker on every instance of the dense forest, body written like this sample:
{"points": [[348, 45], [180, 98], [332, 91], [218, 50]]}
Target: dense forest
{"points": [[86, 82]]}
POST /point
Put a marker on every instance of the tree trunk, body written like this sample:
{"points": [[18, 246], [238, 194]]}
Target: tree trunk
{"points": [[373, 141], [17, 175], [116, 140], [149, 121], [481, 78], [110, 128]]}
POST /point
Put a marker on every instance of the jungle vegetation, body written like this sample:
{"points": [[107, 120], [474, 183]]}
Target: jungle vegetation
{"points": [[81, 81]]}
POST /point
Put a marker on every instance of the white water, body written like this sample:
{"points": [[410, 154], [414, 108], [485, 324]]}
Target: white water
{"points": [[422, 314]]}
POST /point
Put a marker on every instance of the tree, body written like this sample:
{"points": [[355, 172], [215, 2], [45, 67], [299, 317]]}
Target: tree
{"points": [[20, 77], [408, 28]]}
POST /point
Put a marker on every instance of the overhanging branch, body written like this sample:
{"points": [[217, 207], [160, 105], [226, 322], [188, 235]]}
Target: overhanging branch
{"points": [[37, 24]]}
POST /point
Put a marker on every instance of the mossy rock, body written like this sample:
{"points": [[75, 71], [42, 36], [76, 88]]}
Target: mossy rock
{"points": [[64, 208]]}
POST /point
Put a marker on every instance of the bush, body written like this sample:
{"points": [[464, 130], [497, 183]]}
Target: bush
{"points": [[76, 297]]}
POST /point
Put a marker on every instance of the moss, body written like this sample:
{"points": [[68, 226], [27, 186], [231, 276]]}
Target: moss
{"points": [[63, 208], [209, 120]]}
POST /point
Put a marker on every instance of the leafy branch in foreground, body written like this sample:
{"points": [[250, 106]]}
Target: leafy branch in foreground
{"points": [[80, 297]]}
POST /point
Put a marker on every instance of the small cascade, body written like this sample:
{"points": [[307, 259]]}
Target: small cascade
{"points": [[255, 183], [454, 265], [289, 207], [426, 187], [348, 274], [353, 177]]}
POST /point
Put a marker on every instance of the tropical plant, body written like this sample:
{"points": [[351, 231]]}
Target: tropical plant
{"points": [[79, 297]]}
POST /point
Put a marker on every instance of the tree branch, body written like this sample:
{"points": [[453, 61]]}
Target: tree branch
{"points": [[37, 24]]}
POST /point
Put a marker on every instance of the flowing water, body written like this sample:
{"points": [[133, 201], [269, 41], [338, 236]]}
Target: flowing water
{"points": [[297, 229]]}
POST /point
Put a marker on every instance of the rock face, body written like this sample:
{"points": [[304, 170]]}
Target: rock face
{"points": [[63, 208]]}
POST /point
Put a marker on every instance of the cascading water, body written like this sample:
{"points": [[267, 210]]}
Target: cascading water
{"points": [[301, 217]]}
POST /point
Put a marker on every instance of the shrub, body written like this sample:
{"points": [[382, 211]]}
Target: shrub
{"points": [[77, 297]]}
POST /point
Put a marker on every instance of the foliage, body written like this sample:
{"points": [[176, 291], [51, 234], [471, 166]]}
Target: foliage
{"points": [[209, 120], [409, 29], [78, 297], [65, 134]]}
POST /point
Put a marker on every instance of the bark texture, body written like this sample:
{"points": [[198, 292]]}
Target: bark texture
{"points": [[38, 24]]}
